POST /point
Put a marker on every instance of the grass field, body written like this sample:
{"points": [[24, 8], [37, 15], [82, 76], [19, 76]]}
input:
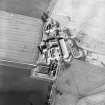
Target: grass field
{"points": [[16, 88], [33, 8]]}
